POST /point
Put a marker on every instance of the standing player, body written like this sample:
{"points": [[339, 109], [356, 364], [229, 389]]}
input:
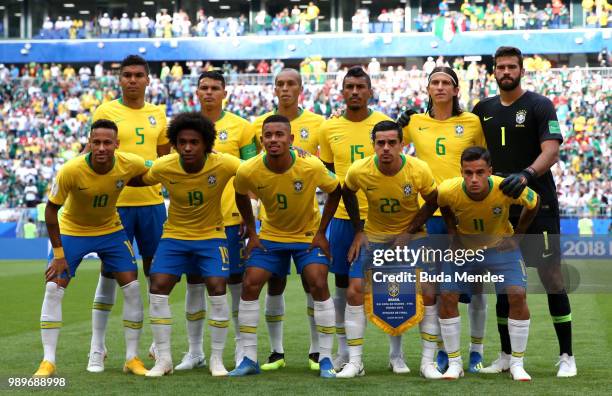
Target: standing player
{"points": [[343, 140], [392, 183], [88, 187], [439, 137], [292, 229], [523, 135], [142, 131], [193, 241], [233, 137], [305, 124], [476, 213]]}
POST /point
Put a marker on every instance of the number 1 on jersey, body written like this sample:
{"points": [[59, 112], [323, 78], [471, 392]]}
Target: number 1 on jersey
{"points": [[503, 136], [479, 225]]}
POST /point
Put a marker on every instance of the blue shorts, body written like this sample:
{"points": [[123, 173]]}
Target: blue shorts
{"points": [[368, 256], [205, 258], [235, 248], [277, 257], [145, 224], [114, 250], [436, 225], [509, 265], [341, 235]]}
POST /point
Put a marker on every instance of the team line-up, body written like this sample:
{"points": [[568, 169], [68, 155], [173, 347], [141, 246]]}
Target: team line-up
{"points": [[377, 198]]}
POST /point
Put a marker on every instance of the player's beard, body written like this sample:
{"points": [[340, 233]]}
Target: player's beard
{"points": [[506, 85]]}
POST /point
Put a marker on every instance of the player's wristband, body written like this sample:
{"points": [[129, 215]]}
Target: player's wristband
{"points": [[58, 252], [529, 173]]}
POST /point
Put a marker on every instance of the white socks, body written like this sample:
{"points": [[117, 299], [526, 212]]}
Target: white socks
{"points": [[51, 319], [451, 334], [314, 336], [132, 318], [195, 312], [519, 333], [355, 323], [248, 319], [218, 323], [104, 300], [477, 311], [161, 324], [324, 317], [275, 313], [235, 291], [340, 307], [395, 347], [430, 332]]}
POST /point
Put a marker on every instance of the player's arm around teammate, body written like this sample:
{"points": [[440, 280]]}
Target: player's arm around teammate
{"points": [[88, 187], [476, 212]]}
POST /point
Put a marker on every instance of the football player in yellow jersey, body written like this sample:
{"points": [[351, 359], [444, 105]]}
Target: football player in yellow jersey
{"points": [[439, 137], [392, 184], [233, 137], [305, 125], [343, 140], [476, 211], [142, 131], [193, 242], [88, 187], [292, 228]]}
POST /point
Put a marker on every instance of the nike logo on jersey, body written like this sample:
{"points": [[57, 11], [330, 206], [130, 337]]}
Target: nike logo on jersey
{"points": [[545, 255], [117, 121], [423, 128], [487, 118], [173, 182], [371, 188], [261, 187], [83, 188]]}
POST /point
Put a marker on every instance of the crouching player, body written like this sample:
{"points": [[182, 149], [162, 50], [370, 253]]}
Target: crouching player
{"points": [[476, 213], [88, 187], [193, 241], [291, 229], [391, 183]]}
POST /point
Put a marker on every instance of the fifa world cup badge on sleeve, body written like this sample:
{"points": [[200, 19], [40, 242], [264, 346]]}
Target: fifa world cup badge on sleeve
{"points": [[393, 299]]}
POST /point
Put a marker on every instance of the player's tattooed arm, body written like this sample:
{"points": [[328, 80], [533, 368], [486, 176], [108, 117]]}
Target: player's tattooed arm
{"points": [[425, 212], [331, 204], [243, 202], [58, 265]]}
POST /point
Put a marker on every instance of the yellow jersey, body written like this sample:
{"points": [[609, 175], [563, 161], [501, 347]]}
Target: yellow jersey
{"points": [[287, 197], [89, 199], [488, 217], [441, 143], [234, 137], [195, 198], [343, 142], [392, 200], [305, 129], [140, 132]]}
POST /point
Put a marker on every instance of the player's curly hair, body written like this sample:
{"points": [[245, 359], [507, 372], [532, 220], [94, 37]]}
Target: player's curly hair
{"points": [[451, 73], [134, 60], [196, 122]]}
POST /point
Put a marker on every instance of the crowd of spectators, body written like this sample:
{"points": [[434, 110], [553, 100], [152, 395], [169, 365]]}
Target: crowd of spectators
{"points": [[45, 112], [471, 15]]}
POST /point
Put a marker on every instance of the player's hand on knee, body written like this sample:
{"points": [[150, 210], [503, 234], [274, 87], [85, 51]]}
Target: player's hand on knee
{"points": [[359, 242], [321, 242], [404, 118], [57, 267], [254, 243]]}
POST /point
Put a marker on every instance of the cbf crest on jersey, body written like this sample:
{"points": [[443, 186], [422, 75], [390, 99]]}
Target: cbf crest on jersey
{"points": [[119, 184], [497, 211], [459, 130], [521, 115], [212, 180], [298, 186], [407, 188], [152, 121], [304, 133], [223, 135]]}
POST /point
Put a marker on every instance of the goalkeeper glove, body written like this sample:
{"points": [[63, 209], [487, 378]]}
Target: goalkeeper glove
{"points": [[514, 184], [404, 118]]}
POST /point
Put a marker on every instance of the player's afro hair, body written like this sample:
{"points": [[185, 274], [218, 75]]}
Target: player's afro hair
{"points": [[194, 121]]}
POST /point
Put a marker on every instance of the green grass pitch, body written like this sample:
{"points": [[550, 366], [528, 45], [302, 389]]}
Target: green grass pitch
{"points": [[22, 283]]}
